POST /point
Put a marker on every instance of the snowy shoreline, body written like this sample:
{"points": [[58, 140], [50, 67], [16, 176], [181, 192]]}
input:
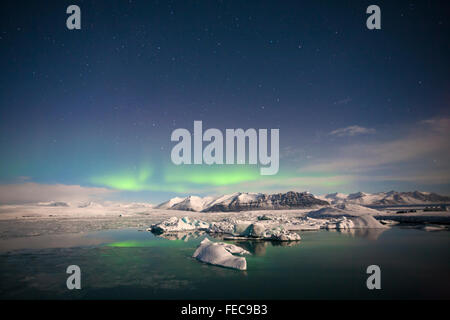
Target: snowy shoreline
{"points": [[34, 220], [56, 223]]}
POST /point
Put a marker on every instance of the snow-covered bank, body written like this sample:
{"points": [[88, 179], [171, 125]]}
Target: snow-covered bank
{"points": [[54, 209], [175, 224], [386, 198], [277, 227], [418, 218], [231, 227], [343, 210], [56, 218]]}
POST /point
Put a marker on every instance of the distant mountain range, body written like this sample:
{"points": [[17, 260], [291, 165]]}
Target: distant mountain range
{"points": [[242, 201], [386, 198], [245, 201]]}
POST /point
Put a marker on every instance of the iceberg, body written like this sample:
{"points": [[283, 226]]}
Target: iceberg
{"points": [[362, 222], [434, 228], [229, 226], [221, 254], [176, 224], [278, 233]]}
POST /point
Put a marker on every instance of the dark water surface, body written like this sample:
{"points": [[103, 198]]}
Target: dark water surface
{"points": [[127, 264]]}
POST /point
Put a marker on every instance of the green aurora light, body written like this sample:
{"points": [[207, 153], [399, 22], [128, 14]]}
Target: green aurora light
{"points": [[204, 178]]}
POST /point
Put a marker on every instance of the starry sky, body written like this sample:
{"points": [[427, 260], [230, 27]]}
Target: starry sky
{"points": [[357, 109]]}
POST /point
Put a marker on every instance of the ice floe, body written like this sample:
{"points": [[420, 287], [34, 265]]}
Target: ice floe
{"points": [[279, 233], [221, 254], [434, 228], [362, 222], [389, 222], [175, 224], [275, 228]]}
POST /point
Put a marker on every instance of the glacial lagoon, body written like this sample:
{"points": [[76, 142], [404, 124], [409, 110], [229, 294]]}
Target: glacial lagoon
{"points": [[132, 264]]}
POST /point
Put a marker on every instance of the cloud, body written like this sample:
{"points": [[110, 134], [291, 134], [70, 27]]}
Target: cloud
{"points": [[421, 155], [351, 131], [440, 125], [35, 192]]}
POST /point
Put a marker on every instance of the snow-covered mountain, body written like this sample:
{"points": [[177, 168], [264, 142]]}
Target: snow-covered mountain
{"points": [[170, 203], [192, 203], [386, 198], [89, 204], [241, 201], [97, 205], [53, 204], [244, 201], [334, 197]]}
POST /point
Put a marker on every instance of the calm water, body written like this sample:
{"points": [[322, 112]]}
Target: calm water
{"points": [[127, 264]]}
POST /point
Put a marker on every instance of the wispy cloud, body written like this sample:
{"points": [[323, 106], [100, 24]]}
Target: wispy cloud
{"points": [[422, 155], [35, 192], [352, 131]]}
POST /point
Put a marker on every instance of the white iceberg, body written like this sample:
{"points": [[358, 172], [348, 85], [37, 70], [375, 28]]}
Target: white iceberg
{"points": [[362, 222], [221, 254], [306, 224], [278, 233], [389, 222], [229, 226], [281, 234], [434, 228], [176, 224]]}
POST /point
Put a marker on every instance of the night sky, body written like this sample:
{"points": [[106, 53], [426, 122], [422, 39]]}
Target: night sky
{"points": [[357, 109]]}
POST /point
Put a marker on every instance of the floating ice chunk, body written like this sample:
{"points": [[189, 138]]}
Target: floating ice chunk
{"points": [[367, 222], [331, 225], [278, 233], [281, 234], [255, 230], [306, 224], [362, 222], [345, 224], [258, 230], [229, 226], [434, 228], [389, 222], [175, 224], [221, 254], [225, 227], [182, 235]]}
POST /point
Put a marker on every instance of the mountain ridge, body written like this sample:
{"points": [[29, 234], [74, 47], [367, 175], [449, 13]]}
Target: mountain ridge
{"points": [[244, 201], [387, 198]]}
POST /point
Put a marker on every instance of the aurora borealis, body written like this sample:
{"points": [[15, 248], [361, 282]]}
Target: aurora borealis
{"points": [[357, 109]]}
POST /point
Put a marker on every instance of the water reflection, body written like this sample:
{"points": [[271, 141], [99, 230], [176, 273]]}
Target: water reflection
{"points": [[52, 241], [136, 271], [370, 234], [254, 246], [140, 265], [185, 236], [258, 247]]}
